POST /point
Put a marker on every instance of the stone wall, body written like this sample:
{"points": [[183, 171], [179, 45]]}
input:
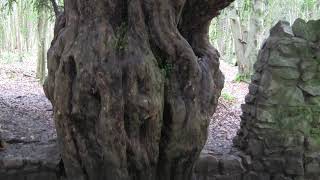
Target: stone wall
{"points": [[279, 137], [32, 161], [280, 122]]}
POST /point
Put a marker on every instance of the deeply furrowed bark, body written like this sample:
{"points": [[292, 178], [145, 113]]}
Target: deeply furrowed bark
{"points": [[133, 84]]}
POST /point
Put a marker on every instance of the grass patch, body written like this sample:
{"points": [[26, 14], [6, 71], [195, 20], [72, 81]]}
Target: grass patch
{"points": [[228, 97], [243, 78]]}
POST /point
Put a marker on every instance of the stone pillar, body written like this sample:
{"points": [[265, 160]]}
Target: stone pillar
{"points": [[280, 128]]}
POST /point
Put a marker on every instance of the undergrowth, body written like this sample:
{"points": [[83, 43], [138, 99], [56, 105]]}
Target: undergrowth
{"points": [[243, 78], [228, 97]]}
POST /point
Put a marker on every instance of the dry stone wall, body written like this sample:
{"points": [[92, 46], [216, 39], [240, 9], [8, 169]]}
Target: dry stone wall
{"points": [[279, 137], [31, 161], [280, 127]]}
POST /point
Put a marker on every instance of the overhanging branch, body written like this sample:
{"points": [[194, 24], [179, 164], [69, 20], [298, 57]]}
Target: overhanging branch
{"points": [[198, 12]]}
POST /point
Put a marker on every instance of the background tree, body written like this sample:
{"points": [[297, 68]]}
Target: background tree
{"points": [[42, 26], [246, 31], [25, 29], [248, 23]]}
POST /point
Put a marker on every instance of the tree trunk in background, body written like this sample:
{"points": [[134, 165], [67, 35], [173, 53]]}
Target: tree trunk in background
{"points": [[314, 10], [45, 47], [222, 25], [222, 40], [17, 26], [12, 34], [239, 42], [255, 31], [42, 38], [26, 25], [133, 84], [247, 40]]}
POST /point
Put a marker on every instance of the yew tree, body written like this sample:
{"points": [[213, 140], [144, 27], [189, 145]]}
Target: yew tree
{"points": [[133, 84]]}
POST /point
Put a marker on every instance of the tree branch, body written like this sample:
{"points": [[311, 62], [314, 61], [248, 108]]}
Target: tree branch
{"points": [[199, 12]]}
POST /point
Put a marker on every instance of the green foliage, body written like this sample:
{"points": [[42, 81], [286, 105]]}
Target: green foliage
{"points": [[166, 68], [37, 6], [41, 4], [228, 97], [242, 78], [308, 5], [7, 5], [246, 9], [120, 42]]}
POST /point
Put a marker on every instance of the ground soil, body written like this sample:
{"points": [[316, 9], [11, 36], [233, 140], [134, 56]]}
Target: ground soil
{"points": [[26, 123], [226, 121]]}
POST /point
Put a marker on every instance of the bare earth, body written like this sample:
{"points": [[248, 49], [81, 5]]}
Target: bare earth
{"points": [[26, 122], [26, 114], [226, 121]]}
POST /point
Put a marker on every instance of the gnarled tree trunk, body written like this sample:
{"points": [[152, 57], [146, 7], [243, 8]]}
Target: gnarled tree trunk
{"points": [[133, 84]]}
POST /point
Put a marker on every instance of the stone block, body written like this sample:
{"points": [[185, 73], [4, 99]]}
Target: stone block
{"points": [[281, 177], [207, 164], [282, 28], [311, 87], [265, 115], [306, 30], [308, 75], [42, 176], [256, 77], [294, 166], [253, 89], [231, 165], [12, 163], [256, 176], [255, 147], [257, 166], [277, 60], [312, 168], [274, 164], [228, 177], [309, 157], [286, 73], [250, 99]]}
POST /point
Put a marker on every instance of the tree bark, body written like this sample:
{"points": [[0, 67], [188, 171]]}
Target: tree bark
{"points": [[133, 84]]}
